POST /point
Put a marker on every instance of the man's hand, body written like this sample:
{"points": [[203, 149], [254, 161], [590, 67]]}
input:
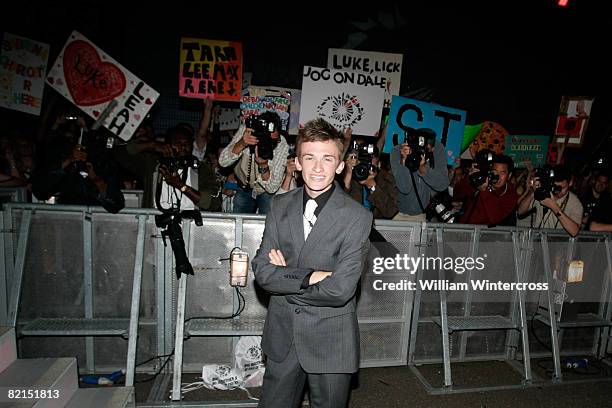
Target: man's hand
{"points": [[404, 152], [484, 185], [318, 276], [276, 257], [172, 179], [370, 181], [551, 203], [248, 139], [163, 148], [291, 169]]}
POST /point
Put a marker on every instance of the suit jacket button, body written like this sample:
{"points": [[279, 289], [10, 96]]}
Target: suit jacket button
{"points": [[297, 311]]}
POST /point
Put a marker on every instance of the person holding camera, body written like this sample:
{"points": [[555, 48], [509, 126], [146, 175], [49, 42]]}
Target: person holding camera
{"points": [[595, 197], [75, 169], [168, 171], [369, 184], [488, 196], [419, 168], [260, 153], [550, 201]]}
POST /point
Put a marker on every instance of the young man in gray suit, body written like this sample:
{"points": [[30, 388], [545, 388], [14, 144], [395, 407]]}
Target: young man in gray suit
{"points": [[310, 262]]}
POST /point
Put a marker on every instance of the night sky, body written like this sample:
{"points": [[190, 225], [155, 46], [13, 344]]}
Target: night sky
{"points": [[509, 62]]}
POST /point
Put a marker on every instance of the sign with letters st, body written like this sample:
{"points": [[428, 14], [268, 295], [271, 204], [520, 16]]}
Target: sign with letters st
{"points": [[23, 64], [92, 79], [210, 69], [407, 114], [368, 62], [343, 98]]}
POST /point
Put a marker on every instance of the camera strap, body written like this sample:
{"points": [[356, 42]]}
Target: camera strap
{"points": [[416, 192]]}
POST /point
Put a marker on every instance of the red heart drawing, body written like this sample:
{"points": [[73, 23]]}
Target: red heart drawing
{"points": [[96, 113], [137, 116], [89, 80]]}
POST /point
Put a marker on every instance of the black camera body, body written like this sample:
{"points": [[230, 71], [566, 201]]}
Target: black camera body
{"points": [[547, 186], [263, 126], [420, 142], [170, 221], [484, 163], [441, 208], [174, 164], [364, 155]]}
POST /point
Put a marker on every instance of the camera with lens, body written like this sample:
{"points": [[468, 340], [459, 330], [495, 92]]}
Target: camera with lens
{"points": [[263, 126], [547, 186], [364, 154], [440, 207], [421, 142], [484, 163], [170, 221], [174, 164]]}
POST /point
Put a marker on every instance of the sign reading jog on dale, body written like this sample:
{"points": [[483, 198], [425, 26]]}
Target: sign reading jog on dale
{"points": [[23, 63], [91, 79], [210, 69], [343, 98]]}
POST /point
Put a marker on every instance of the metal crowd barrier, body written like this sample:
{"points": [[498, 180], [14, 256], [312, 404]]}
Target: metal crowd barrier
{"points": [[81, 265]]}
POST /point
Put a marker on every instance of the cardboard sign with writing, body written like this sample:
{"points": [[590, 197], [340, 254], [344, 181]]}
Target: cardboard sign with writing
{"points": [[23, 64], [448, 123], [261, 99], [527, 149], [210, 69], [91, 79], [377, 63], [343, 98]]}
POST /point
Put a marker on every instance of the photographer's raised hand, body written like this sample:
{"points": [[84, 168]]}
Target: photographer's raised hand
{"points": [[247, 140], [77, 154]]}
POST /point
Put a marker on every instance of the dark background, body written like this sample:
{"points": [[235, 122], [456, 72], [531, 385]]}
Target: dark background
{"points": [[509, 62]]}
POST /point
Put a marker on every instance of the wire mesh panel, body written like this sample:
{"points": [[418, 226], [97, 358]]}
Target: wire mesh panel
{"points": [[381, 343], [53, 272]]}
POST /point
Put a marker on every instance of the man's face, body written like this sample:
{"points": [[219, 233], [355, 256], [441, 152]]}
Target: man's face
{"points": [[180, 145], [275, 135], [501, 169], [601, 184], [564, 186], [319, 162]]}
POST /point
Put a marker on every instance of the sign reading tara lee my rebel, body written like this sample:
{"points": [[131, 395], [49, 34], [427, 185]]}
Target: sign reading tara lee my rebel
{"points": [[343, 98], [210, 69], [527, 149], [407, 114], [23, 63], [91, 79], [378, 63]]}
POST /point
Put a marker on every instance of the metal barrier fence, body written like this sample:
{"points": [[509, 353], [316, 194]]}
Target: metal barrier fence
{"points": [[78, 263]]}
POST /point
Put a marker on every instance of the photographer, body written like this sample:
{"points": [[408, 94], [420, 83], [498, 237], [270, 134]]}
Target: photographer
{"points": [[550, 202], [489, 198], [425, 175], [79, 174], [261, 156], [596, 197], [369, 184], [164, 165]]}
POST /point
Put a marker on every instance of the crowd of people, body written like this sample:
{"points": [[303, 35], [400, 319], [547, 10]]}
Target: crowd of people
{"points": [[73, 164]]}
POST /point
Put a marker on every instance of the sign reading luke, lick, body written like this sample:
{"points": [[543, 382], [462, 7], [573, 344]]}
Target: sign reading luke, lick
{"points": [[407, 114], [23, 64], [368, 62], [343, 98], [210, 69], [91, 79]]}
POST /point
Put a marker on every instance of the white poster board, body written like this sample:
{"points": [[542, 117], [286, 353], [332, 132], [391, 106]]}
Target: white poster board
{"points": [[23, 64], [369, 62], [91, 79], [343, 98]]}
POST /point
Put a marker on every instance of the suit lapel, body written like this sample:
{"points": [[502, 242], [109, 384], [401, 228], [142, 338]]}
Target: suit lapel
{"points": [[295, 214]]}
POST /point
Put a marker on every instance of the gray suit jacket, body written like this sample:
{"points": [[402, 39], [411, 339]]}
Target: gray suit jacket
{"points": [[320, 320]]}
